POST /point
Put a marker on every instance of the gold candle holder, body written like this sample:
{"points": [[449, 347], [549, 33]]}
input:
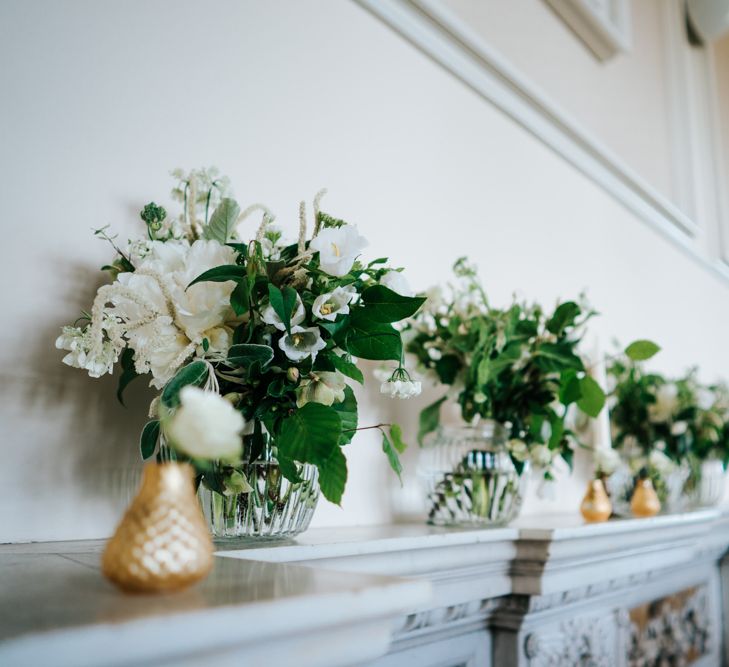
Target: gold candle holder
{"points": [[644, 502], [596, 506], [162, 543]]}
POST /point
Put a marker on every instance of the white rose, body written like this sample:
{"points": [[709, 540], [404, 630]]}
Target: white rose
{"points": [[397, 282], [205, 426], [301, 343], [270, 316], [328, 306], [338, 248]]}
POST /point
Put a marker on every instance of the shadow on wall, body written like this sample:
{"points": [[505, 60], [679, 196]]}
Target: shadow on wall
{"points": [[83, 438]]}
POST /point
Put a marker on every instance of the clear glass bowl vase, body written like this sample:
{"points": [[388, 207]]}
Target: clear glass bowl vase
{"points": [[470, 478], [273, 508], [705, 487]]}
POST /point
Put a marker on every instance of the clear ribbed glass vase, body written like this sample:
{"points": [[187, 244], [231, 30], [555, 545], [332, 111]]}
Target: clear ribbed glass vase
{"points": [[274, 507], [470, 478], [706, 485]]}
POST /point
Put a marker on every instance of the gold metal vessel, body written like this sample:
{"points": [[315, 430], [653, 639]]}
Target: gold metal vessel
{"points": [[162, 543]]}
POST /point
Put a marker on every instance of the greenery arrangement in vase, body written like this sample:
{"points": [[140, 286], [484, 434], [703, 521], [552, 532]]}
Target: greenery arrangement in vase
{"points": [[252, 344], [518, 367], [671, 429]]}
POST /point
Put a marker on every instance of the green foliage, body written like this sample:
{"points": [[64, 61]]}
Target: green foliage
{"points": [[246, 354], [128, 373], [283, 301], [429, 419], [195, 374], [387, 306], [641, 350], [223, 221], [392, 455], [221, 274], [372, 340], [347, 368], [148, 439], [514, 364]]}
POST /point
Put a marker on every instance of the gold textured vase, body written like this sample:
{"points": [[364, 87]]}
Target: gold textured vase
{"points": [[162, 543], [596, 506], [644, 502]]}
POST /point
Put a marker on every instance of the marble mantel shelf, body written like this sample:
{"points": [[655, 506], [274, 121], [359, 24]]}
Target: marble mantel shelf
{"points": [[335, 596]]}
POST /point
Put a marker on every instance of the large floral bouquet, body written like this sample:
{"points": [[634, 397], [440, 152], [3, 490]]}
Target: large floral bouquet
{"points": [[251, 343], [518, 366]]}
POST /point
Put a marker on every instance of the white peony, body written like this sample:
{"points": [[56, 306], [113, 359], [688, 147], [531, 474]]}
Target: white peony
{"points": [[163, 321], [321, 387], [338, 247], [666, 403], [401, 388], [301, 343], [397, 282], [328, 306], [205, 426], [270, 316]]}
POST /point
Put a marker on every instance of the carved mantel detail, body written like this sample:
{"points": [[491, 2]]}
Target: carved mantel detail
{"points": [[676, 628]]}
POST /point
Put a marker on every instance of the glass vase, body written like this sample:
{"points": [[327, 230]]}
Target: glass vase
{"points": [[470, 478], [705, 487], [265, 505], [669, 487]]}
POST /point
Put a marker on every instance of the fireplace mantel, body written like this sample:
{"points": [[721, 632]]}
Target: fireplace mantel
{"points": [[543, 591]]}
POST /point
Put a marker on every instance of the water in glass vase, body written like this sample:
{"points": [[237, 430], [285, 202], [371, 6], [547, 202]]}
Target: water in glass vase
{"points": [[470, 478]]}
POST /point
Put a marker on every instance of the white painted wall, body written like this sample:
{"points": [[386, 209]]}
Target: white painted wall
{"points": [[101, 99]]}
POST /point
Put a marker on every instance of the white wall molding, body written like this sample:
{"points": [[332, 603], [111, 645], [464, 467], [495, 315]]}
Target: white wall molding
{"points": [[445, 38], [603, 26]]}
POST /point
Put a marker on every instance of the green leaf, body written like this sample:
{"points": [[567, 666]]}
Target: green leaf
{"points": [[240, 297], [484, 371], [148, 439], [396, 437], [593, 397], [346, 368], [289, 469], [372, 340], [429, 419], [194, 374], [392, 456], [384, 305], [347, 410], [558, 356], [333, 475], [569, 389], [128, 373], [447, 368], [283, 302], [221, 274], [223, 221], [246, 354], [640, 350], [563, 317], [310, 434]]}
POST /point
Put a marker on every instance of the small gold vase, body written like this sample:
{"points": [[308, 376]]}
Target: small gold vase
{"points": [[644, 502], [596, 506], [162, 543]]}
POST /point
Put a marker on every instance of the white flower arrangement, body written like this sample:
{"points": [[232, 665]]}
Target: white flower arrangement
{"points": [[273, 328]]}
